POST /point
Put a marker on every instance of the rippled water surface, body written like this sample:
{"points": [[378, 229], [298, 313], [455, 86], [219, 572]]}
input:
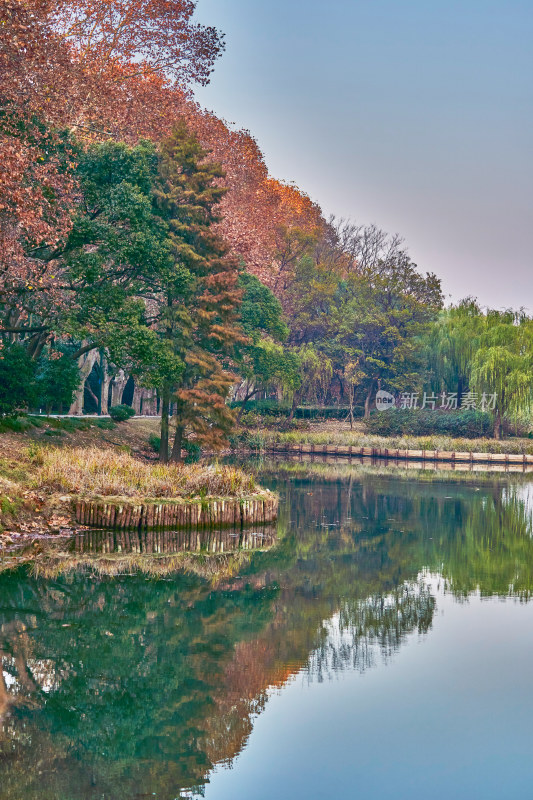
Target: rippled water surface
{"points": [[379, 646]]}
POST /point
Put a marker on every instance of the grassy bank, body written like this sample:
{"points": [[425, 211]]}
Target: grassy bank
{"points": [[37, 481], [94, 471], [338, 435]]}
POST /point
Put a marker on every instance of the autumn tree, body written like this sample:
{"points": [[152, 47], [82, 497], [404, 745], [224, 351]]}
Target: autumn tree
{"points": [[107, 71], [97, 274], [197, 311], [99, 69]]}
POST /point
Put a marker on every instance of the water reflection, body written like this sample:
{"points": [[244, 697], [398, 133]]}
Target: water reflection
{"points": [[121, 686], [362, 630]]}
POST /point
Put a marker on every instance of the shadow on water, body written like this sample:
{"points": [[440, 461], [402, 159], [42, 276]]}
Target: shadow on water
{"points": [[130, 685]]}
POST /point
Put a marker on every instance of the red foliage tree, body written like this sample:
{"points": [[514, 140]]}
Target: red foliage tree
{"points": [[104, 68]]}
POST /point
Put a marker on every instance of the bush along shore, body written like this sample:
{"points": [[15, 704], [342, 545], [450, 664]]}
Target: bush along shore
{"points": [[55, 490]]}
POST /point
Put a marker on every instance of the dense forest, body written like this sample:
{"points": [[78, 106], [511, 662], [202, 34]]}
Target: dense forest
{"points": [[147, 257]]}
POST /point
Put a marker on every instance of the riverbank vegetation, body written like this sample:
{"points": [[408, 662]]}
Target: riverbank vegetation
{"points": [[260, 439], [38, 481], [108, 472], [148, 260]]}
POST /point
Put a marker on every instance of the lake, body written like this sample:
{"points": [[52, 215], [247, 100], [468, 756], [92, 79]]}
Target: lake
{"points": [[377, 645]]}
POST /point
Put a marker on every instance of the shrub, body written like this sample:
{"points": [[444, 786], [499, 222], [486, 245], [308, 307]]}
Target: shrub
{"points": [[121, 413], [17, 379], [15, 424], [155, 442], [104, 424], [193, 450], [57, 381], [68, 424], [469, 424], [275, 409]]}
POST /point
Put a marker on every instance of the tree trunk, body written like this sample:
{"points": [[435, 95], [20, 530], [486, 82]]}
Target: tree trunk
{"points": [[85, 364], [138, 397], [119, 382], [149, 406], [295, 399], [163, 447], [498, 426], [368, 398], [178, 444], [106, 380], [460, 392], [351, 407], [246, 398], [5, 697], [94, 397]]}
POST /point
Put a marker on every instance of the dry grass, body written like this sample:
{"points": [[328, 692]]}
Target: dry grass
{"points": [[212, 568], [113, 473]]}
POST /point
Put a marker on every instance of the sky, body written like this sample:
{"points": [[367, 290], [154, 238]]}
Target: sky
{"points": [[416, 115]]}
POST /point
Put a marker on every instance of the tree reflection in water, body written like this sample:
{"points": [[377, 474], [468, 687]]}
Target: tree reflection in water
{"points": [[119, 686]]}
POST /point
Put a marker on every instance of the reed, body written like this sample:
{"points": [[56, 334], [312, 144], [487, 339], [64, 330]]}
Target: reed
{"points": [[93, 471]]}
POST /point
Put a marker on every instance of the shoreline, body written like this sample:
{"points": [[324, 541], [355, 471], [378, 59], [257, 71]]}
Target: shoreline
{"points": [[523, 460]]}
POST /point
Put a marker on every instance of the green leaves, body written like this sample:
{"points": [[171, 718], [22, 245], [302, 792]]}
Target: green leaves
{"points": [[260, 312], [368, 323], [17, 379]]}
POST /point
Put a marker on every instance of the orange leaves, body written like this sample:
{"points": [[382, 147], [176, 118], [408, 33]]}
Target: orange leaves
{"points": [[121, 69], [151, 37]]}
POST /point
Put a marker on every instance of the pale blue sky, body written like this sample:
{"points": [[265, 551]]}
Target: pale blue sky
{"points": [[415, 115]]}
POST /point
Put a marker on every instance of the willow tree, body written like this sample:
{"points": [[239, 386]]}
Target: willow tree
{"points": [[312, 375], [503, 363], [451, 344]]}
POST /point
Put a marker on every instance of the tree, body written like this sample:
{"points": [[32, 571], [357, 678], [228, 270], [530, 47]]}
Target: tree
{"points": [[101, 69], [197, 308], [58, 378], [488, 353], [100, 273], [17, 379], [107, 71], [369, 324], [380, 319], [503, 363], [451, 345], [36, 198], [262, 359], [150, 36], [312, 374]]}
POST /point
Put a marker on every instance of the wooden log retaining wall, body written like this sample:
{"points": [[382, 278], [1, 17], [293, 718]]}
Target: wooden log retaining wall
{"points": [[167, 542], [518, 459], [126, 514]]}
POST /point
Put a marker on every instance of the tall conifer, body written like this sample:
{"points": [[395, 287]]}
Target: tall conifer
{"points": [[200, 295]]}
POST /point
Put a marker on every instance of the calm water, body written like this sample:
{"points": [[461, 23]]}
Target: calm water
{"points": [[381, 648]]}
